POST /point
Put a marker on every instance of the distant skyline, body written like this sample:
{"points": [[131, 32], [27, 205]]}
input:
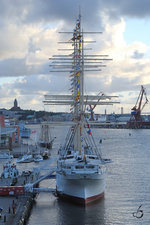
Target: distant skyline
{"points": [[29, 36]]}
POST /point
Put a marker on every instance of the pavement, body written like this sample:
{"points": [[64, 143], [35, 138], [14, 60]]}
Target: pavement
{"points": [[7, 215]]}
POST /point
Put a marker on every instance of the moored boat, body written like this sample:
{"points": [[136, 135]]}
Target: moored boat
{"points": [[45, 139], [10, 170], [25, 159], [37, 158], [5, 155], [45, 154]]}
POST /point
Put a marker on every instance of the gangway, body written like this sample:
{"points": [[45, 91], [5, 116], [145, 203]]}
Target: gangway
{"points": [[51, 171], [39, 190], [29, 187]]}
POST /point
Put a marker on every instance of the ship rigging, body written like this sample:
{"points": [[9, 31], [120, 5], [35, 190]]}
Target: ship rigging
{"points": [[80, 174]]}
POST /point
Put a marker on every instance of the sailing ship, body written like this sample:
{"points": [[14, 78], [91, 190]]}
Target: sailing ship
{"points": [[81, 171], [24, 131], [45, 139]]}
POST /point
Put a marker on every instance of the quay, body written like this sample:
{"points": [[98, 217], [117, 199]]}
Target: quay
{"points": [[93, 124], [113, 125], [16, 207]]}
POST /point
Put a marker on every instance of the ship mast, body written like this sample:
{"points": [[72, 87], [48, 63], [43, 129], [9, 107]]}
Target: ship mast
{"points": [[78, 85], [82, 95], [77, 63]]}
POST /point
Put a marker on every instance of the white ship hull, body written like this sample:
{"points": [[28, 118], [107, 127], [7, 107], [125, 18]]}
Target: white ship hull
{"points": [[81, 188]]}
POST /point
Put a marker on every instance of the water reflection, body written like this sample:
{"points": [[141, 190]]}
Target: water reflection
{"points": [[70, 213], [50, 210]]}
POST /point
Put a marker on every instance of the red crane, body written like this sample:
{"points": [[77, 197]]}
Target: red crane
{"points": [[136, 119]]}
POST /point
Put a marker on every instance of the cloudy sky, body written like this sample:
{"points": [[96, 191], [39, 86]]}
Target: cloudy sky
{"points": [[29, 36]]}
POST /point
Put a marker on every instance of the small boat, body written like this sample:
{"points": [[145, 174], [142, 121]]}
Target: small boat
{"points": [[5, 155], [25, 159], [9, 171], [45, 154], [37, 158]]}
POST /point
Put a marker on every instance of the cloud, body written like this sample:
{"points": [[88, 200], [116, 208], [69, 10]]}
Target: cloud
{"points": [[135, 8], [38, 11], [137, 55], [29, 36]]}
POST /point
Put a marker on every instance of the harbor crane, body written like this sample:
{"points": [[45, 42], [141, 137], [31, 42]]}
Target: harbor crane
{"points": [[136, 118], [92, 107]]}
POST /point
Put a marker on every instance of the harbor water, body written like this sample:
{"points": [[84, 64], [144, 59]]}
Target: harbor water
{"points": [[127, 183]]}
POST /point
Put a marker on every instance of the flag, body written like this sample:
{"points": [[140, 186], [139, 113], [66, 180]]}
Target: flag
{"points": [[71, 75], [78, 37], [33, 131], [78, 24], [77, 67], [73, 38], [78, 74], [89, 132], [77, 86], [77, 98], [87, 108]]}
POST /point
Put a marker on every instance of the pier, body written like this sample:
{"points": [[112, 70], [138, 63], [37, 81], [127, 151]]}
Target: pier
{"points": [[17, 195]]}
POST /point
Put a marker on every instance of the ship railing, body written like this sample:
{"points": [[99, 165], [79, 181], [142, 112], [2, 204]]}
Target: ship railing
{"points": [[88, 168], [38, 190], [80, 168]]}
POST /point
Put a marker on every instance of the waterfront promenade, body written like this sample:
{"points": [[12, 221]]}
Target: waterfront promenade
{"points": [[10, 215]]}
